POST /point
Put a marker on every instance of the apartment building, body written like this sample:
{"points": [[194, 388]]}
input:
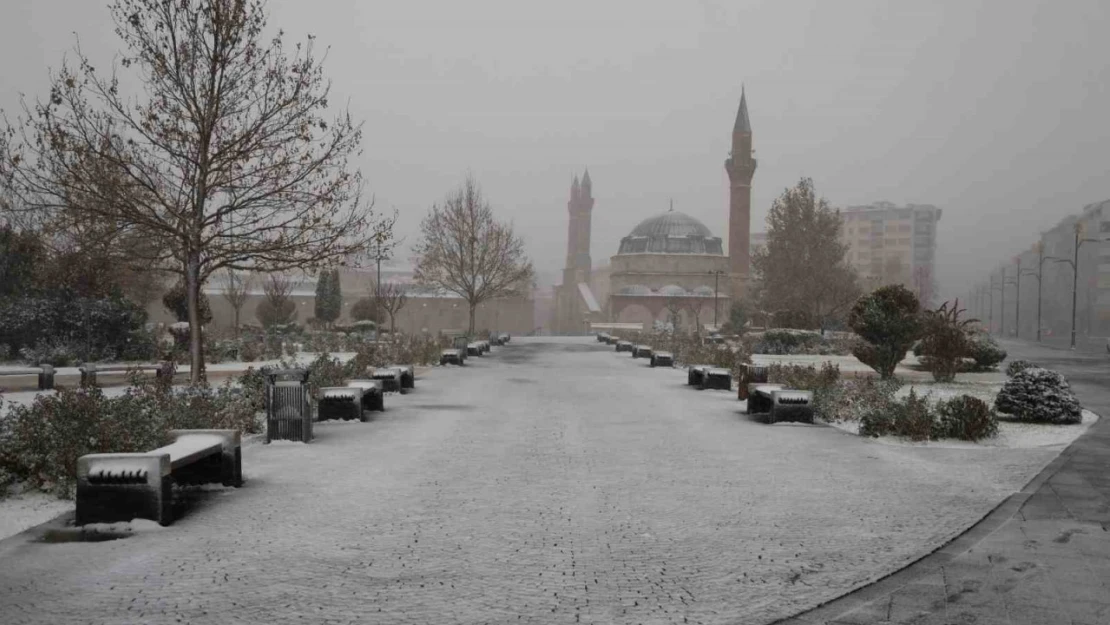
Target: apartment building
{"points": [[889, 244]]}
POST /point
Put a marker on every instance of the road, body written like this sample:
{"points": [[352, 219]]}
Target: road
{"points": [[552, 481]]}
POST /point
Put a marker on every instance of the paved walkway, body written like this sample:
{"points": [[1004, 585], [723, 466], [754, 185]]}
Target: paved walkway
{"points": [[1041, 558], [553, 481]]}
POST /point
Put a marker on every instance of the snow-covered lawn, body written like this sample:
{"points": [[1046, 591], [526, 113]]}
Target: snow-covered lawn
{"points": [[26, 510]]}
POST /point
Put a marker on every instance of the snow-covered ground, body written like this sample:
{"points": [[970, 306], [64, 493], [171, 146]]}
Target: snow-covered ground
{"points": [[548, 481], [20, 512]]}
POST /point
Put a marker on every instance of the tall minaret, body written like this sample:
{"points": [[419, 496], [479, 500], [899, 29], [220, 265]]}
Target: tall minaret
{"points": [[740, 166], [580, 207]]}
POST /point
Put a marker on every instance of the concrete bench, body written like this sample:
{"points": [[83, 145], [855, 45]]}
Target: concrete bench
{"points": [[408, 374], [496, 340], [750, 374], [121, 487], [453, 356], [602, 337], [624, 346], [473, 349], [391, 379], [484, 344], [715, 378], [780, 404], [662, 359], [641, 351], [45, 375], [340, 402], [372, 396], [695, 374], [612, 339], [506, 337], [90, 370]]}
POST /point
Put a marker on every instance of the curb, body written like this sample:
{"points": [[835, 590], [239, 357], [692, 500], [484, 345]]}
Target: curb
{"points": [[941, 556]]}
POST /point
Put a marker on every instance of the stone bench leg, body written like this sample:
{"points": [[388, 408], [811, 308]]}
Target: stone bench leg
{"points": [[229, 469], [758, 404], [114, 488]]}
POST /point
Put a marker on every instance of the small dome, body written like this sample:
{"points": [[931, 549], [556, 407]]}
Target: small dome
{"points": [[671, 233], [635, 289], [672, 289], [704, 291]]}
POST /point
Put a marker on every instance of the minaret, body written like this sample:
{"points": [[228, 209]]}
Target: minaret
{"points": [[580, 207], [740, 166]]}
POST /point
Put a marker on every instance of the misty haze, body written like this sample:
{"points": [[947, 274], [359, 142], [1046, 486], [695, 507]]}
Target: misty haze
{"points": [[380, 312]]}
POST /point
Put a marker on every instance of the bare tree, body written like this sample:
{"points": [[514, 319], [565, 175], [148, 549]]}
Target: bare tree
{"points": [[694, 305], [463, 249], [674, 306], [392, 298], [224, 159], [276, 308], [236, 291]]}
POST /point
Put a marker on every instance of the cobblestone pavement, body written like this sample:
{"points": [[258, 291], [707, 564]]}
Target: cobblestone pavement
{"points": [[552, 481], [1042, 558]]}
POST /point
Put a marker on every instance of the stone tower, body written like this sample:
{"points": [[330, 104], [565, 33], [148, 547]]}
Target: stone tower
{"points": [[580, 207], [740, 166]]}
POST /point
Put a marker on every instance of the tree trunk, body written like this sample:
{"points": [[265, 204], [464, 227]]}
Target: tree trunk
{"points": [[196, 346], [237, 325], [470, 330], [392, 327]]}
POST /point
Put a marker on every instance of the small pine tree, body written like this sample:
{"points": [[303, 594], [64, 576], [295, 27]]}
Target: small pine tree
{"points": [[335, 296], [323, 291]]}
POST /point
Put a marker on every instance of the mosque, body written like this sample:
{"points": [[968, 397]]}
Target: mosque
{"points": [[669, 268]]}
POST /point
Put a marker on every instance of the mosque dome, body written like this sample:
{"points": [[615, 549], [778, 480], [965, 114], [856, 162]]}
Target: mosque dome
{"points": [[671, 232]]}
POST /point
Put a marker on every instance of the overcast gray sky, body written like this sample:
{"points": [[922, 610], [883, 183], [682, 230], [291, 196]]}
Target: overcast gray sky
{"points": [[997, 111]]}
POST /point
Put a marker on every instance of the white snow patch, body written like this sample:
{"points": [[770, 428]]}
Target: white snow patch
{"points": [[21, 512]]}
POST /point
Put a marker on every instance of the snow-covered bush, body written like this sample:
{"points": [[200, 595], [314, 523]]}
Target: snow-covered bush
{"points": [[966, 418], [5, 352], [1041, 396], [912, 418], [54, 352], [986, 352], [1017, 366]]}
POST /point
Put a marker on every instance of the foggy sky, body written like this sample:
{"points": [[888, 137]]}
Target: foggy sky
{"points": [[994, 110]]}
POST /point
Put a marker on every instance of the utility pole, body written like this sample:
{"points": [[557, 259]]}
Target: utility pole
{"points": [[990, 314], [1002, 305], [1017, 299]]}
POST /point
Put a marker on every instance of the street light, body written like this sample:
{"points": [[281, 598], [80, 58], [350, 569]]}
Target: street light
{"points": [[1074, 262], [716, 275], [1041, 258], [990, 315]]}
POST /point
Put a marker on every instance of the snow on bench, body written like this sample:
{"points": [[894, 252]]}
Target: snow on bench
{"points": [[372, 396], [408, 375], [695, 373], [90, 369], [339, 402], [641, 351], [45, 374], [624, 346], [455, 356], [662, 359], [779, 403], [391, 379], [716, 378], [473, 349], [125, 486]]}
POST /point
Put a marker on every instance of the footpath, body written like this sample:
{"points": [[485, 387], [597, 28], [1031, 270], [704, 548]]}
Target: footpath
{"points": [[1041, 557]]}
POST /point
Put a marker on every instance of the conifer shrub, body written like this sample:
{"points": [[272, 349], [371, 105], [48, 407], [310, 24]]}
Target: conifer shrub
{"points": [[965, 418], [1039, 396]]}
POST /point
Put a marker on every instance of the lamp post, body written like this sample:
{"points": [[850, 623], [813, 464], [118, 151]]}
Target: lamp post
{"points": [[716, 276], [990, 313], [1002, 304], [1017, 299], [1074, 262]]}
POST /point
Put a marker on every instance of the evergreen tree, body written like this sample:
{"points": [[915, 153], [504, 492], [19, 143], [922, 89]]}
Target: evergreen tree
{"points": [[323, 294], [803, 269]]}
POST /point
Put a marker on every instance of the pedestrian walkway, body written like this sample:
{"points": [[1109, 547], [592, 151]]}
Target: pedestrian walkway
{"points": [[1043, 557], [552, 481]]}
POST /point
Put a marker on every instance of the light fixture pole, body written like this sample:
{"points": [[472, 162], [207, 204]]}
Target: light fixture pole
{"points": [[990, 314], [716, 276], [1074, 262]]}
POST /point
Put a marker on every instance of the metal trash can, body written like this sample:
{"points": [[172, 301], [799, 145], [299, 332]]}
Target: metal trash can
{"points": [[288, 406]]}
